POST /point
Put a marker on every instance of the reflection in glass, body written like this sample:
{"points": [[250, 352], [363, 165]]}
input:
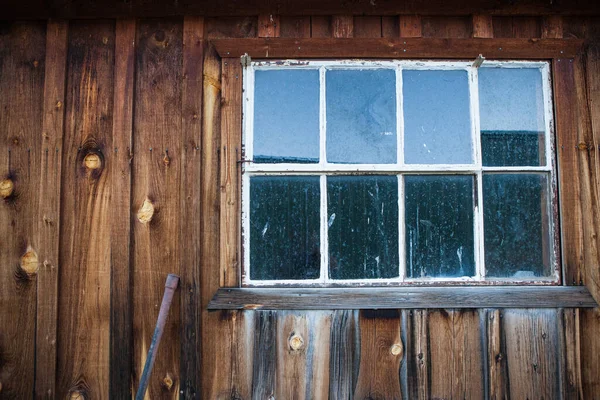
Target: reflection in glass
{"points": [[284, 227], [361, 116], [286, 116], [516, 223], [511, 107], [437, 121], [363, 226], [439, 237]]}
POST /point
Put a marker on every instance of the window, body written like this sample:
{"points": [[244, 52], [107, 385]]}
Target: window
{"points": [[397, 173]]}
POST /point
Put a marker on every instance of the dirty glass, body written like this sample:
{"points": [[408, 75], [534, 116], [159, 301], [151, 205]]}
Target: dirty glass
{"points": [[516, 225], [284, 227], [286, 116], [511, 106], [437, 121], [361, 116], [439, 237], [363, 226]]}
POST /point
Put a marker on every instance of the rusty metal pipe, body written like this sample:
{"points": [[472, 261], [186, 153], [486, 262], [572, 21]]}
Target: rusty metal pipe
{"points": [[170, 286]]}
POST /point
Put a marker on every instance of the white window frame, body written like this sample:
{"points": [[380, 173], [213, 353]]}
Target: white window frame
{"points": [[324, 169]]}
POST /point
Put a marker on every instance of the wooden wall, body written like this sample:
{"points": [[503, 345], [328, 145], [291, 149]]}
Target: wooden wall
{"points": [[113, 174]]}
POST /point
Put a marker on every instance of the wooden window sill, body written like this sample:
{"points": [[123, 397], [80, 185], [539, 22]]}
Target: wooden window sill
{"points": [[402, 297]]}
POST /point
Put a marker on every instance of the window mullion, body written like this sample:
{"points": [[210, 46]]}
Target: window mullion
{"points": [[324, 276]]}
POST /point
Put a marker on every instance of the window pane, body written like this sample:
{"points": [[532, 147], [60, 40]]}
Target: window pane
{"points": [[363, 226], [284, 227], [511, 105], [361, 116], [516, 223], [437, 121], [439, 226], [286, 116]]}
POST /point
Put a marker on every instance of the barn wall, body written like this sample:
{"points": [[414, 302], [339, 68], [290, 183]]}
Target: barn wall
{"points": [[111, 160]]}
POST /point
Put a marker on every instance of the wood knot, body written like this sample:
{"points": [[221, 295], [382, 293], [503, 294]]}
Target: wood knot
{"points": [[146, 212], [59, 104], [105, 40], [296, 342], [7, 188], [166, 160], [160, 36], [36, 63], [76, 395], [167, 382], [396, 349], [92, 161], [29, 262]]}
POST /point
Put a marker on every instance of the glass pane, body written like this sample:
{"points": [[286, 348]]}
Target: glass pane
{"points": [[363, 226], [437, 120], [511, 105], [439, 226], [518, 243], [284, 227], [361, 116], [286, 116]]}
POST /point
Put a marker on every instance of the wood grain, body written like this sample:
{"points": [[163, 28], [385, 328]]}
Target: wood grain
{"points": [[455, 48], [121, 317], [84, 279], [265, 355], [191, 208], [22, 51], [367, 26], [517, 27], [156, 196], [483, 26], [447, 27], [344, 354], [48, 228], [295, 26], [411, 26], [320, 26], [269, 25], [571, 355], [400, 297], [342, 26], [496, 356], [552, 26]]}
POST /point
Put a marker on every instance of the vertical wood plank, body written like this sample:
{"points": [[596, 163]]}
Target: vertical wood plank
{"points": [[569, 182], [390, 26], [417, 355], [367, 26], [498, 375], [381, 352], [320, 26], [49, 209], [552, 26], [293, 361], [230, 27], [269, 25], [265, 355], [231, 153], [191, 210], [22, 52], [84, 276], [571, 364], [516, 27], [156, 196], [292, 26], [532, 353], [121, 318], [342, 26], [590, 350], [447, 27], [482, 26], [411, 26], [344, 354]]}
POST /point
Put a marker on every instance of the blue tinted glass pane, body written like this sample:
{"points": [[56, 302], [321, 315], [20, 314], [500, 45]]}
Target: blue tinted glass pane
{"points": [[437, 121], [363, 227], [286, 116], [361, 116], [516, 225], [284, 227], [439, 226], [511, 105]]}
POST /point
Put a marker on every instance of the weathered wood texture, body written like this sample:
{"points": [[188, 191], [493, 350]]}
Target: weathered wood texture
{"points": [[118, 162], [22, 52]]}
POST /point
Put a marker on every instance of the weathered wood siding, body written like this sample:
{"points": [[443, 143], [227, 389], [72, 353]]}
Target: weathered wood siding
{"points": [[116, 155]]}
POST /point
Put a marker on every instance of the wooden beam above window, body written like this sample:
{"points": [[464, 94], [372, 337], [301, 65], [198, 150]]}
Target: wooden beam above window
{"points": [[401, 297], [413, 48]]}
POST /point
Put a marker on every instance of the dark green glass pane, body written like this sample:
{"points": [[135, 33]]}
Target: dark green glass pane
{"points": [[516, 224], [439, 226], [363, 226], [284, 227]]}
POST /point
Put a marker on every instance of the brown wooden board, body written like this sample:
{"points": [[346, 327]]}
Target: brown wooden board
{"points": [[22, 51], [295, 26], [411, 26], [121, 317], [571, 354], [400, 297], [517, 27], [269, 25], [342, 26], [265, 354], [156, 196], [191, 212], [367, 26], [273, 48], [320, 26], [344, 354], [483, 26], [552, 26], [145, 8], [447, 27], [84, 276], [48, 218], [415, 374], [497, 374]]}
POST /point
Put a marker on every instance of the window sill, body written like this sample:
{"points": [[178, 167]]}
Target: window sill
{"points": [[401, 297]]}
